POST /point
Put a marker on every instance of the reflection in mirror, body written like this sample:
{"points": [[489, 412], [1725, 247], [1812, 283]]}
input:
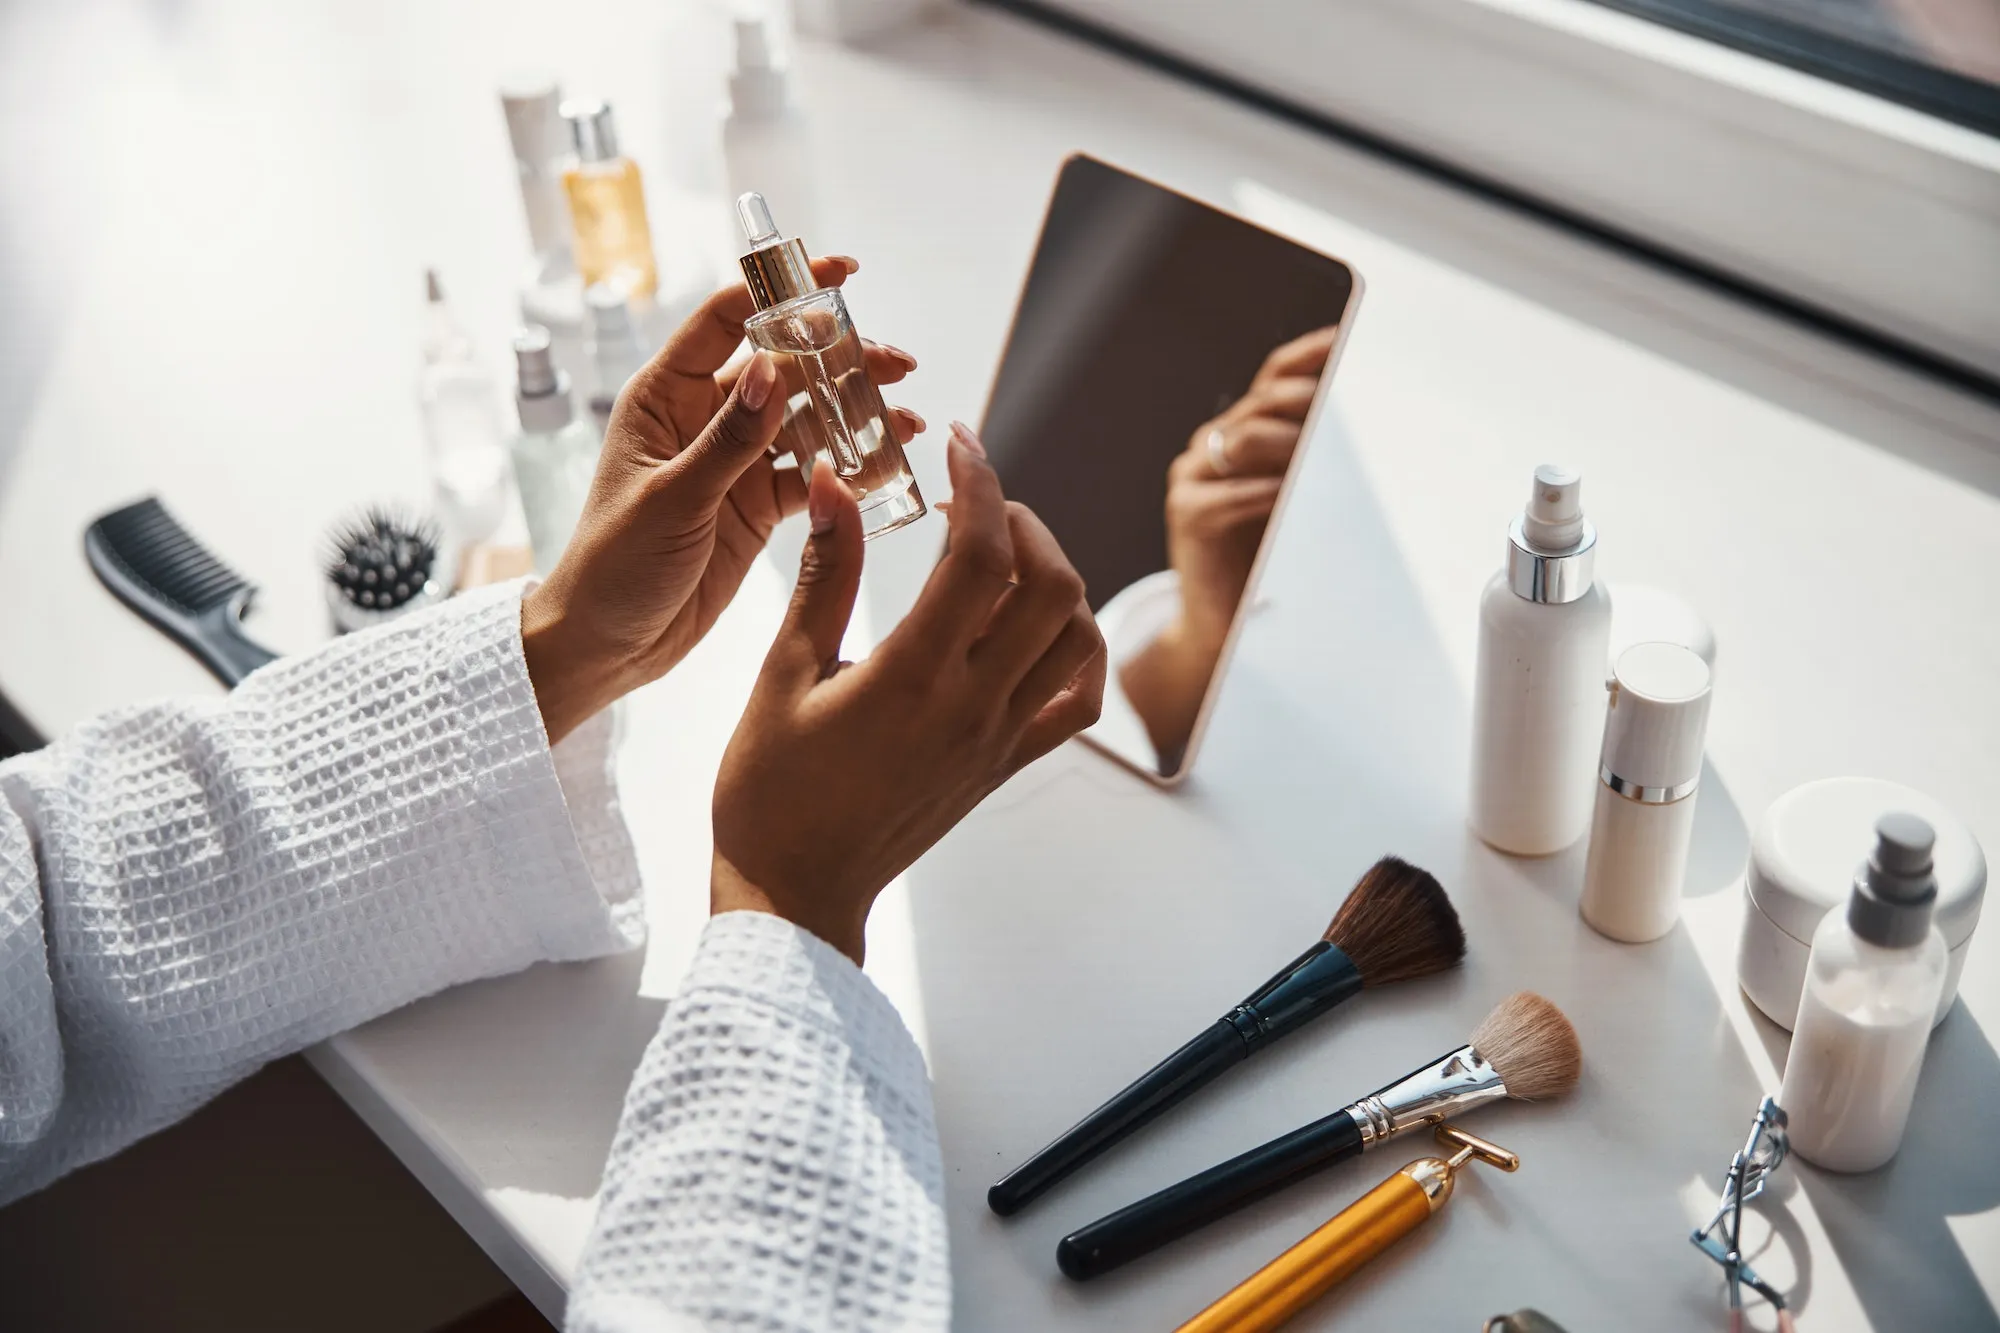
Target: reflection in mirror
{"points": [[1149, 407]]}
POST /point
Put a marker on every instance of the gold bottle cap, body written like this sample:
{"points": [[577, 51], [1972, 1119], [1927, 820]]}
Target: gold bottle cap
{"points": [[775, 268]]}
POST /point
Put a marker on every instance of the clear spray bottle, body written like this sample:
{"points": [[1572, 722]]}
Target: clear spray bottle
{"points": [[835, 410]]}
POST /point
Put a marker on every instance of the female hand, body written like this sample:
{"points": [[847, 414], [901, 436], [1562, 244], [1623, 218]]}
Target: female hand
{"points": [[842, 774], [684, 498]]}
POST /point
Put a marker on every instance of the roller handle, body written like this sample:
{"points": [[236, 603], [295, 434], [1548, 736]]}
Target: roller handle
{"points": [[1314, 1266], [1192, 1204], [1217, 1048]]}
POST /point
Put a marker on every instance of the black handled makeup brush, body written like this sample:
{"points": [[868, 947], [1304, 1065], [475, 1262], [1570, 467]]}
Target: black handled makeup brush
{"points": [[1396, 925], [1524, 1049], [153, 565]]}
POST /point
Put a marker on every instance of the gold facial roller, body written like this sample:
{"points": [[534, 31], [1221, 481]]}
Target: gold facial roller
{"points": [[1359, 1232]]}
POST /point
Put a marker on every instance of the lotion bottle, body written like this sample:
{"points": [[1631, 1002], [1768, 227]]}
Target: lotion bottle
{"points": [[1646, 785], [551, 292], [1872, 987], [1538, 692], [766, 146]]}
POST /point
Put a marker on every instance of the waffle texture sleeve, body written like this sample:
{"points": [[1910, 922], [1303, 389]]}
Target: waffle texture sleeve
{"points": [[188, 890], [777, 1166]]}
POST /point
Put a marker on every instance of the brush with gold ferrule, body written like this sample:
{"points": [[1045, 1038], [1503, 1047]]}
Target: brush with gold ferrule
{"points": [[1524, 1049], [1359, 1232]]}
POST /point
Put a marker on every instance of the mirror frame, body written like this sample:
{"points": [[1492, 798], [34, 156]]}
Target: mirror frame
{"points": [[1306, 430]]}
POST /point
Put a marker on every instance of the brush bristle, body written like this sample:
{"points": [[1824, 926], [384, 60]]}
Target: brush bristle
{"points": [[1532, 1046], [1398, 925], [382, 558], [158, 552]]}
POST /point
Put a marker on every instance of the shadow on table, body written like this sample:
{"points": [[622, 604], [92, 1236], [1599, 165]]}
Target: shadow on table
{"points": [[1068, 940], [1892, 1227]]}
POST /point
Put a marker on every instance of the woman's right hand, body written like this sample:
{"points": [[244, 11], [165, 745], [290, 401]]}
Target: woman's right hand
{"points": [[842, 774]]}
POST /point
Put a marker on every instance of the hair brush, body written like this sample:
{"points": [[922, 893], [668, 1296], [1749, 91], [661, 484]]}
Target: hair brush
{"points": [[1524, 1049], [1396, 925], [380, 564], [151, 563]]}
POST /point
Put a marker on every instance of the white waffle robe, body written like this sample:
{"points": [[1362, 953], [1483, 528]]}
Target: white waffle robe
{"points": [[188, 890]]}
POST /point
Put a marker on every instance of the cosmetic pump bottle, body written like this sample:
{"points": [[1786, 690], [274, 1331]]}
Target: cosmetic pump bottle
{"points": [[838, 413], [615, 351], [607, 204], [551, 292], [766, 143], [1872, 986], [1650, 770], [460, 404], [1538, 687], [555, 453]]}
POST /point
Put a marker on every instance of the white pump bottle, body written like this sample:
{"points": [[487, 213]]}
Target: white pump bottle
{"points": [[766, 139], [1538, 694]]}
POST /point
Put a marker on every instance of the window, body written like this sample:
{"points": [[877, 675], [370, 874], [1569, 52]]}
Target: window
{"points": [[1840, 156], [1937, 56]]}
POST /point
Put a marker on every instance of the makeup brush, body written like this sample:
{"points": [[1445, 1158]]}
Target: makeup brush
{"points": [[1524, 1049], [1396, 925]]}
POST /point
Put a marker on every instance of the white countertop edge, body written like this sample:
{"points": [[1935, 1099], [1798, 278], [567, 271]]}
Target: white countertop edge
{"points": [[442, 1173]]}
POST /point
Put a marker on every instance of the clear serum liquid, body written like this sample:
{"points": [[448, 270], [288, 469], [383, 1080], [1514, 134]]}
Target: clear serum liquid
{"points": [[833, 410]]}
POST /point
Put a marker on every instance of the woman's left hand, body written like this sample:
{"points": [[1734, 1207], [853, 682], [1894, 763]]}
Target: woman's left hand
{"points": [[684, 498]]}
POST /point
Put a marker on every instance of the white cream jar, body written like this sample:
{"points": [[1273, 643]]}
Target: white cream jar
{"points": [[1802, 861]]}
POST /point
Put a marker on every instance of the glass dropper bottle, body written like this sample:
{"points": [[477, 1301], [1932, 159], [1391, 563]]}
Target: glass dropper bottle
{"points": [[835, 410]]}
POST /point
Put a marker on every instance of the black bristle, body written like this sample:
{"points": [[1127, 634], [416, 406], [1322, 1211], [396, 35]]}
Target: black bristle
{"points": [[382, 558], [158, 552]]}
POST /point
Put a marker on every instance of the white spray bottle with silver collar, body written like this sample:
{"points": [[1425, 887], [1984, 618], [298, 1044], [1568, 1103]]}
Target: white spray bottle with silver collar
{"points": [[1538, 692]]}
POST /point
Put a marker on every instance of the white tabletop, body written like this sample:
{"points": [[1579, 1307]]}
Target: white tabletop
{"points": [[236, 329]]}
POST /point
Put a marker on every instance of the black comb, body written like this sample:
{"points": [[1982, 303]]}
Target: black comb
{"points": [[150, 563]]}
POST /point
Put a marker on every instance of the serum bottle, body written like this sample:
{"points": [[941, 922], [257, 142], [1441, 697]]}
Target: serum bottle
{"points": [[461, 412], [615, 353], [1872, 987], [607, 205], [1538, 690], [837, 411]]}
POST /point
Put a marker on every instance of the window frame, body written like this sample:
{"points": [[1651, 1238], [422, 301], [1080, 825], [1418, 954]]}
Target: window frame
{"points": [[1864, 212]]}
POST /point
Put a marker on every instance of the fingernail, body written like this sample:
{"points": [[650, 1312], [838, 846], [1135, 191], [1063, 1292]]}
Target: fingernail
{"points": [[848, 262], [820, 501], [900, 355], [758, 377], [963, 434], [922, 425]]}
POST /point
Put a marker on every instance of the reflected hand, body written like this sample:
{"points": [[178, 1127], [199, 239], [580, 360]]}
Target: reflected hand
{"points": [[842, 774], [684, 498], [1220, 494], [1221, 489]]}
